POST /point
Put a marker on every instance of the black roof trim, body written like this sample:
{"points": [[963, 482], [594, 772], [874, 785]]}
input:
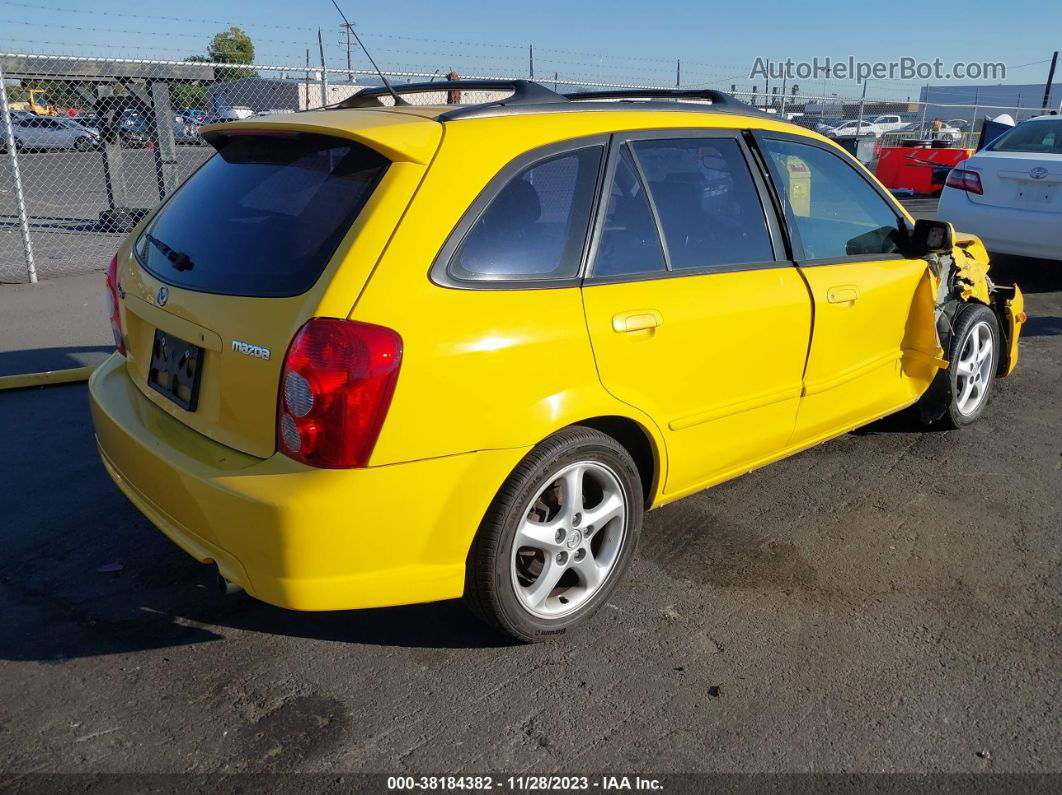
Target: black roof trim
{"points": [[524, 92], [531, 97]]}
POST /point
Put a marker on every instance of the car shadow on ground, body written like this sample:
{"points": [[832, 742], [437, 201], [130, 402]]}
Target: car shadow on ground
{"points": [[39, 360], [1031, 275], [84, 574]]}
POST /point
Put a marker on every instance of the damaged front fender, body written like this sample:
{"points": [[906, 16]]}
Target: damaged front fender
{"points": [[961, 276]]}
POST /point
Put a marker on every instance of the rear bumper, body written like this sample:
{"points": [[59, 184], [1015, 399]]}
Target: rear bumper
{"points": [[1003, 230], [291, 535]]}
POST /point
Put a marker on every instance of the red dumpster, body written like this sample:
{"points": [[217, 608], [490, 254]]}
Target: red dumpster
{"points": [[914, 167]]}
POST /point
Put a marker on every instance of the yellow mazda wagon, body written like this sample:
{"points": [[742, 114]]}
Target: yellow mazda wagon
{"points": [[384, 353]]}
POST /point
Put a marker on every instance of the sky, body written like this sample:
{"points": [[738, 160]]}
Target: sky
{"points": [[619, 41]]}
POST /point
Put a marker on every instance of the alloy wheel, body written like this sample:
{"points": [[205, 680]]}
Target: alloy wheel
{"points": [[973, 370], [569, 539]]}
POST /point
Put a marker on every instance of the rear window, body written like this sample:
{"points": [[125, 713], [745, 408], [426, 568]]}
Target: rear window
{"points": [[263, 216], [1035, 137]]}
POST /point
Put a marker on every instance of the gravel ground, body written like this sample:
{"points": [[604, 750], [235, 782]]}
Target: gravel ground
{"points": [[889, 601]]}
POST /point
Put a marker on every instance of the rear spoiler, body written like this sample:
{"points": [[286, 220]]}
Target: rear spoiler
{"points": [[399, 137]]}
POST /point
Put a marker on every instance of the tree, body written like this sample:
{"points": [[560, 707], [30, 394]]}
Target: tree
{"points": [[232, 46]]}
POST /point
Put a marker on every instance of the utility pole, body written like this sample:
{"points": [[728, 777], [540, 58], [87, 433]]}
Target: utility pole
{"points": [[1050, 80], [531, 60], [678, 73], [350, 68]]}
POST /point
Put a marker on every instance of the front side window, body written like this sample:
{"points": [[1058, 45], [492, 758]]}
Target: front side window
{"points": [[535, 227], [836, 213], [708, 206]]}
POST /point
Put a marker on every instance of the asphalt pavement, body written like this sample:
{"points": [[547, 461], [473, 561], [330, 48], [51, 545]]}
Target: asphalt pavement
{"points": [[890, 601]]}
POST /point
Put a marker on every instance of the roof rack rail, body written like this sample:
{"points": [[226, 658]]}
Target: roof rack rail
{"points": [[716, 97], [525, 92]]}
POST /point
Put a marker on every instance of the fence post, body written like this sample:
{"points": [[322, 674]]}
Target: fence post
{"points": [[165, 145], [324, 71], [16, 176], [862, 104]]}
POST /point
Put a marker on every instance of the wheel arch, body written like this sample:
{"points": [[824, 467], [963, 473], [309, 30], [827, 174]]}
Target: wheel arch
{"points": [[639, 442]]}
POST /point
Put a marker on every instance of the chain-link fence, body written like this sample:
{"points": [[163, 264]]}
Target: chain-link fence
{"points": [[91, 144]]}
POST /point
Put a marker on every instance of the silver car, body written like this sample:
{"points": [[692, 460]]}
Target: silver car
{"points": [[53, 132]]}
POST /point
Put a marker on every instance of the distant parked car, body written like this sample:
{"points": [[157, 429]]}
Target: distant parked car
{"points": [[1010, 193], [48, 132], [887, 122], [962, 125], [924, 131], [233, 113], [196, 115], [853, 127]]}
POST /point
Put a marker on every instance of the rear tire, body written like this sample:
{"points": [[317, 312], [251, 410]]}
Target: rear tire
{"points": [[557, 538], [83, 144], [959, 393]]}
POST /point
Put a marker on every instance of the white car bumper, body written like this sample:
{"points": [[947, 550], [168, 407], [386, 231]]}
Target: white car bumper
{"points": [[1004, 230]]}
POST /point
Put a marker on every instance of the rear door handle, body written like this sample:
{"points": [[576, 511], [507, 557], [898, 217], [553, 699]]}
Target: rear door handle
{"points": [[845, 294], [636, 320]]}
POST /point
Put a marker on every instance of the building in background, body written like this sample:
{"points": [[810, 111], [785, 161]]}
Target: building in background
{"points": [[1020, 101]]}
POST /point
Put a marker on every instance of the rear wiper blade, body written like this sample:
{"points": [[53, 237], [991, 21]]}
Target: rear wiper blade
{"points": [[178, 259]]}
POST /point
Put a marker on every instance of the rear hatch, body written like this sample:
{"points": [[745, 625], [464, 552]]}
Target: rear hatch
{"points": [[1022, 169], [284, 223]]}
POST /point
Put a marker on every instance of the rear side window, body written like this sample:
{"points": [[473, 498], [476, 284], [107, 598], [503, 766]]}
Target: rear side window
{"points": [[535, 227], [707, 202], [263, 216], [629, 241], [1035, 137]]}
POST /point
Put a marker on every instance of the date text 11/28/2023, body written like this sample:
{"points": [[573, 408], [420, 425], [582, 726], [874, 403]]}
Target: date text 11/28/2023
{"points": [[524, 783]]}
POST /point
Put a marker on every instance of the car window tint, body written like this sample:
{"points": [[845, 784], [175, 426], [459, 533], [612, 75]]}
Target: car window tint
{"points": [[535, 227], [836, 212], [263, 216], [706, 200], [1035, 137], [629, 241]]}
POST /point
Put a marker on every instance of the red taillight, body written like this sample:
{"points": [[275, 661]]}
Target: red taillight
{"points": [[112, 306], [335, 389], [966, 180]]}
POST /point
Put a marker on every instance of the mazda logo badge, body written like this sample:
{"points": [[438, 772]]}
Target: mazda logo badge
{"points": [[1038, 173], [162, 296]]}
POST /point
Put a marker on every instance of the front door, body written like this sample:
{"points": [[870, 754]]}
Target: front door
{"points": [[874, 335], [694, 314]]}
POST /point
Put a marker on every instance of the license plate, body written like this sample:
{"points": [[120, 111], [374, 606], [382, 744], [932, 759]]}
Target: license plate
{"points": [[1035, 194], [175, 369]]}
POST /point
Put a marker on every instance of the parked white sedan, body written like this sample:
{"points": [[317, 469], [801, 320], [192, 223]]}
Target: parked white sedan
{"points": [[48, 132], [1010, 193]]}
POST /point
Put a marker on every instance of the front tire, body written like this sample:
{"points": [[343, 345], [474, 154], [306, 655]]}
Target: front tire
{"points": [[959, 394], [558, 536]]}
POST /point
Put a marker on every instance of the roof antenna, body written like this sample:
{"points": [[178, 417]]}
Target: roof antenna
{"points": [[354, 33]]}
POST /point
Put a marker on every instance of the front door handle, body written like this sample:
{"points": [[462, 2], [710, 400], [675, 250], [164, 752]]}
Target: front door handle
{"points": [[636, 320], [845, 294]]}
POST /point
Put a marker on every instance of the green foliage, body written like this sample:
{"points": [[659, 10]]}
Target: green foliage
{"points": [[231, 46]]}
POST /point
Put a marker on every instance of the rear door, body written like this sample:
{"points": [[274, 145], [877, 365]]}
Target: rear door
{"points": [[694, 313], [279, 226], [874, 330]]}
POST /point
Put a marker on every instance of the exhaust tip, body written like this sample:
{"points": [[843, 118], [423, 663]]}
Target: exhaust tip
{"points": [[225, 587]]}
